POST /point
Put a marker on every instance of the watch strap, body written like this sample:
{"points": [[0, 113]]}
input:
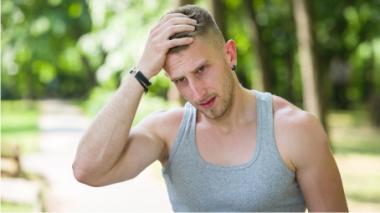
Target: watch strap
{"points": [[140, 77]]}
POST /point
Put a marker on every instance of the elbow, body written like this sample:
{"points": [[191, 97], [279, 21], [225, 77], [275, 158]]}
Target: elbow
{"points": [[84, 177]]}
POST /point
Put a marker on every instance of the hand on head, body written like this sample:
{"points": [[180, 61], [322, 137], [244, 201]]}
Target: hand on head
{"points": [[160, 41]]}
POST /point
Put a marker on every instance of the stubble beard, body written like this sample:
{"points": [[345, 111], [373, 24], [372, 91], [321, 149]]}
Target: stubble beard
{"points": [[218, 111]]}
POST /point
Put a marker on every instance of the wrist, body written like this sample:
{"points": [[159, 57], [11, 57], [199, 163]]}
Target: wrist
{"points": [[141, 78], [146, 70]]}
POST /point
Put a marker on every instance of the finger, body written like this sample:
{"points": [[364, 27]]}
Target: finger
{"points": [[171, 15], [174, 29], [167, 18], [174, 21], [180, 20], [179, 42]]}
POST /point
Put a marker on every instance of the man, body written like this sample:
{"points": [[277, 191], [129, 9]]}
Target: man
{"points": [[228, 149]]}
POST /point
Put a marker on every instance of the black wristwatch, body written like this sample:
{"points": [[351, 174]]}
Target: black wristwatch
{"points": [[144, 82]]}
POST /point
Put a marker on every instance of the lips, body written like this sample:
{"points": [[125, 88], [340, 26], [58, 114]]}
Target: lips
{"points": [[208, 103]]}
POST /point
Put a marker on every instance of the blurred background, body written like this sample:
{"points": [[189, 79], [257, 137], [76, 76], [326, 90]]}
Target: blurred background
{"points": [[61, 60]]}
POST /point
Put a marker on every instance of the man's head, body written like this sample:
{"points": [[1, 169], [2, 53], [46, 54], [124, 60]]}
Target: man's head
{"points": [[205, 27], [202, 70]]}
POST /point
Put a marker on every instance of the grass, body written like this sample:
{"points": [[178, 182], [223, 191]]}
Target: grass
{"points": [[13, 207], [19, 125], [357, 151]]}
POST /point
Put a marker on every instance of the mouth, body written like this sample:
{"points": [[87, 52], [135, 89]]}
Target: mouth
{"points": [[208, 103]]}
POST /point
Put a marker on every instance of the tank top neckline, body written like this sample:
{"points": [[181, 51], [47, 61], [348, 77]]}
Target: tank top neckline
{"points": [[254, 154]]}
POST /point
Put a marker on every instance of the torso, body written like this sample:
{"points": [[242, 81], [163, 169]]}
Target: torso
{"points": [[234, 148], [210, 170]]}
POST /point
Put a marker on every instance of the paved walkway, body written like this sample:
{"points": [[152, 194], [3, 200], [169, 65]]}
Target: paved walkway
{"points": [[61, 126]]}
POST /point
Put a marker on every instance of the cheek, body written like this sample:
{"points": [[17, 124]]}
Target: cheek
{"points": [[184, 91], [214, 79], [223, 82]]}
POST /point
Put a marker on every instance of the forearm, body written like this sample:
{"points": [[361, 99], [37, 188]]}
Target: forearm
{"points": [[103, 142]]}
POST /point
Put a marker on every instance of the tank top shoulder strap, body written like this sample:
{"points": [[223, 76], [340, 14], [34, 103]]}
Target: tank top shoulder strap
{"points": [[185, 132], [265, 119]]}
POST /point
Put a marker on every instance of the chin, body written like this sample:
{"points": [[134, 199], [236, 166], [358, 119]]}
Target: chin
{"points": [[213, 115]]}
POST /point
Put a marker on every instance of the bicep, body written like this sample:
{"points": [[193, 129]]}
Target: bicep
{"points": [[321, 184], [317, 172], [142, 148]]}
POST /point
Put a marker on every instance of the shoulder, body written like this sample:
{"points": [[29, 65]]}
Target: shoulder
{"points": [[299, 133], [288, 115], [159, 129], [162, 123]]}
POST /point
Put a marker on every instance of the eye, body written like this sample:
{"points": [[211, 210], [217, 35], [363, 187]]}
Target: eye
{"points": [[180, 80], [201, 69]]}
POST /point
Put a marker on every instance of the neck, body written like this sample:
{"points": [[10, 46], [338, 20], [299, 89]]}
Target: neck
{"points": [[241, 111]]}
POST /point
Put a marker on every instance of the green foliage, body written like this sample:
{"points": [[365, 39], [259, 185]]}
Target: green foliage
{"points": [[39, 46], [14, 207], [19, 124], [118, 37], [150, 104], [348, 35], [66, 48], [276, 28], [100, 96], [160, 85], [97, 99], [238, 33]]}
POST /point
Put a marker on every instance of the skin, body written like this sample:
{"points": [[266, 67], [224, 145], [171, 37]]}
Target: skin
{"points": [[110, 151]]}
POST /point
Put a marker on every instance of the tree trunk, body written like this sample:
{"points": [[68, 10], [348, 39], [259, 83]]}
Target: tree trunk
{"points": [[217, 9], [290, 75], [263, 81], [373, 89], [90, 75], [31, 82], [311, 97]]}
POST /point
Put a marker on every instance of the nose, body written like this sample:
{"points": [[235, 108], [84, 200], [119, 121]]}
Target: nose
{"points": [[198, 89]]}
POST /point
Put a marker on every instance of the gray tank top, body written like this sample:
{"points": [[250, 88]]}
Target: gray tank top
{"points": [[262, 184]]}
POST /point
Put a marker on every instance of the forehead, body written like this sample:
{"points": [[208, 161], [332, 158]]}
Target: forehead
{"points": [[187, 59]]}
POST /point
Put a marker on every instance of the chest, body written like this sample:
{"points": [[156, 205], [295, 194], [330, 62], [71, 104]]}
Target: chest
{"points": [[226, 149], [194, 185]]}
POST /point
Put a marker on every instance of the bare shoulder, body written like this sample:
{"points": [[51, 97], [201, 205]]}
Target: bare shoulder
{"points": [[303, 144], [160, 127], [287, 114], [299, 134], [163, 123]]}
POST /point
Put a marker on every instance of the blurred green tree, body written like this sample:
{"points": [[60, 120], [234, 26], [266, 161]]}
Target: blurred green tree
{"points": [[39, 52], [75, 48]]}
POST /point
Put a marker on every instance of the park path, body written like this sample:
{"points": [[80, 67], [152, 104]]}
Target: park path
{"points": [[62, 124]]}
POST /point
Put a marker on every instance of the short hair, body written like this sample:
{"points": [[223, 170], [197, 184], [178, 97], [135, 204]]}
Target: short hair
{"points": [[205, 25]]}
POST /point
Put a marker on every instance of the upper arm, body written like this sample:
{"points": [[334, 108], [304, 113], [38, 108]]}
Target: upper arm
{"points": [[316, 169], [145, 144], [306, 145]]}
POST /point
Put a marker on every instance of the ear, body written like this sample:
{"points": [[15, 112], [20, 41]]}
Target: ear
{"points": [[230, 53]]}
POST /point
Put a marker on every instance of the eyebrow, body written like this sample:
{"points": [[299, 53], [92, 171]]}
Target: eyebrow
{"points": [[202, 63]]}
